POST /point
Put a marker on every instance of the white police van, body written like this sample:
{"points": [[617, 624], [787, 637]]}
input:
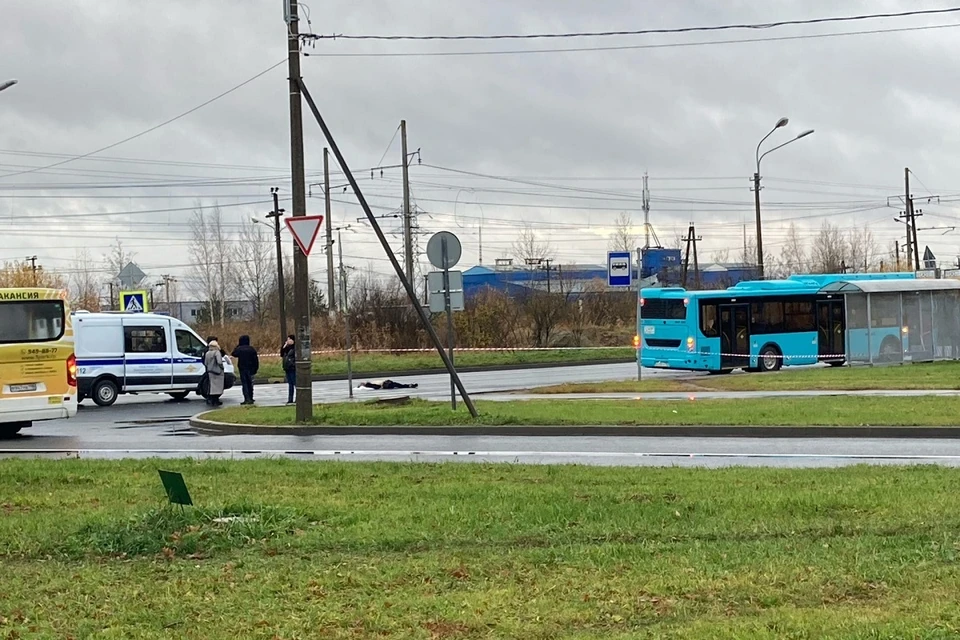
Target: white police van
{"points": [[138, 353]]}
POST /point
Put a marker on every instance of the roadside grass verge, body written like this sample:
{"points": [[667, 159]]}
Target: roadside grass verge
{"points": [[928, 375], [336, 364], [479, 551], [791, 411]]}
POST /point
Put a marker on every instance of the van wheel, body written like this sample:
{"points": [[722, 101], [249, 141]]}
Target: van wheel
{"points": [[10, 429], [770, 359], [105, 393], [179, 395]]}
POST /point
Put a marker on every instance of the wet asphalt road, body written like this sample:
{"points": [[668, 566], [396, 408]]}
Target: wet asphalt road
{"points": [[155, 426]]}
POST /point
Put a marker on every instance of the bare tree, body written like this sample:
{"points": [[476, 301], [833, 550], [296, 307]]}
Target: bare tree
{"points": [[864, 254], [830, 250], [85, 283], [722, 256], [623, 238], [212, 261], [529, 246], [748, 252], [255, 273], [117, 258], [794, 255]]}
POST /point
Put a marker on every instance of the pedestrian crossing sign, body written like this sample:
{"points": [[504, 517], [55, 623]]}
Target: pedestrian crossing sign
{"points": [[133, 301]]}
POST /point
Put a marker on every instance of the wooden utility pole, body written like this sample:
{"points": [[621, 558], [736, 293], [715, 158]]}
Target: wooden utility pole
{"points": [[331, 297], [407, 222], [896, 249], [301, 274]]}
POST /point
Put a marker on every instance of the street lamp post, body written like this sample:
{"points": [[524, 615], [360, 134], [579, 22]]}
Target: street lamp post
{"points": [[7, 84], [782, 122]]}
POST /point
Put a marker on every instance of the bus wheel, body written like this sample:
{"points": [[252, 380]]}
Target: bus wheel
{"points": [[179, 395], [770, 359], [105, 392]]}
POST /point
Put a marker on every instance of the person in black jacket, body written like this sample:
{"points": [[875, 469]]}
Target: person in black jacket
{"points": [[248, 363], [288, 356]]}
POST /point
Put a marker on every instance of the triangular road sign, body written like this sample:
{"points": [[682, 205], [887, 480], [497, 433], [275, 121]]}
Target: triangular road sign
{"points": [[133, 305], [304, 230]]}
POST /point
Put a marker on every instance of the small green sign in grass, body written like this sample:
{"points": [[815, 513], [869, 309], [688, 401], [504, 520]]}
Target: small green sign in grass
{"points": [[175, 487]]}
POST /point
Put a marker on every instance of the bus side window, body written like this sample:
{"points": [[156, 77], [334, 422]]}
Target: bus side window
{"points": [[708, 320]]}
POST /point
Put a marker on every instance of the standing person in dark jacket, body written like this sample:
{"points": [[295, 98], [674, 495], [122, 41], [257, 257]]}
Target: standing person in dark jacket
{"points": [[248, 363], [288, 356]]}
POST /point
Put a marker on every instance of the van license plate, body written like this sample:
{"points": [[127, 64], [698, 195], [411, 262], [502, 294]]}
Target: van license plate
{"points": [[22, 388]]}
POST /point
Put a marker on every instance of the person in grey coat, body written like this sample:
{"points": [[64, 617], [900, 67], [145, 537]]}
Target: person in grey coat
{"points": [[213, 363]]}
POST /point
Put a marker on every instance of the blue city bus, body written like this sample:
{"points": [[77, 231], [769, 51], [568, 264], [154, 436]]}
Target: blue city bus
{"points": [[755, 325]]}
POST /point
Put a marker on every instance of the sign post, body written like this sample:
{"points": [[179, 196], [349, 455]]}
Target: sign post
{"points": [[444, 251], [639, 313], [304, 230]]}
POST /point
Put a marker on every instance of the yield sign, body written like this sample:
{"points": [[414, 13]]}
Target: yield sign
{"points": [[304, 230]]}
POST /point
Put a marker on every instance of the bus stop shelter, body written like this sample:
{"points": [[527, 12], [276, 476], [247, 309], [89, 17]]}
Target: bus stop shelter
{"points": [[895, 321]]}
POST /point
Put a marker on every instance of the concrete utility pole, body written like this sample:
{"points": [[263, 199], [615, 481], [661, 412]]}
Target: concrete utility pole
{"points": [[407, 222], [331, 295], [646, 213], [301, 275], [276, 214], [345, 308]]}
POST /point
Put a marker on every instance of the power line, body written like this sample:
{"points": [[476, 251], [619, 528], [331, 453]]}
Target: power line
{"points": [[639, 32], [153, 128], [666, 45]]}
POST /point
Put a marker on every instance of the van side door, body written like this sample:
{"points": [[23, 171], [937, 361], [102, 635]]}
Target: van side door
{"points": [[148, 360]]}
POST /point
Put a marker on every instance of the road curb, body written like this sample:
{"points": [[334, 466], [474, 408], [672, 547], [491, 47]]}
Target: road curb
{"points": [[203, 425], [473, 369]]}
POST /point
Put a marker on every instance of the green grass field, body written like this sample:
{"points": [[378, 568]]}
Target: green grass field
{"points": [[932, 375], [344, 550], [336, 364], [813, 411]]}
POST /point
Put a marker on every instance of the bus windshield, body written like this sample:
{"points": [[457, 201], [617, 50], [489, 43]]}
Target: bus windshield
{"points": [[31, 321]]}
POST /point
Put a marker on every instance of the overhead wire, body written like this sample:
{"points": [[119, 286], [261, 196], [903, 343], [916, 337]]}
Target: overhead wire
{"points": [[150, 129], [665, 45], [641, 32]]}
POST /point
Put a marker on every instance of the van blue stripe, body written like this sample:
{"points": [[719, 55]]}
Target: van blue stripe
{"points": [[106, 362]]}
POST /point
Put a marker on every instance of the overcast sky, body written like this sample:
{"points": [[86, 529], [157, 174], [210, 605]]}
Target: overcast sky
{"points": [[582, 125]]}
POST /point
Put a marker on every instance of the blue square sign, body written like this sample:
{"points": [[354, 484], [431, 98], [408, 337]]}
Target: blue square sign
{"points": [[619, 269]]}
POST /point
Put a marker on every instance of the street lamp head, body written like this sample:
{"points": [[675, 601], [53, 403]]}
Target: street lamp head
{"points": [[805, 134], [7, 84], [782, 122]]}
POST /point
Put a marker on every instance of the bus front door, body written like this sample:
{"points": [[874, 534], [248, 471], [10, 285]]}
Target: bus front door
{"points": [[734, 336], [830, 331]]}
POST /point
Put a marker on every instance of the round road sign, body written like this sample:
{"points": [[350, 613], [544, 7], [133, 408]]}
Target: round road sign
{"points": [[435, 250]]}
